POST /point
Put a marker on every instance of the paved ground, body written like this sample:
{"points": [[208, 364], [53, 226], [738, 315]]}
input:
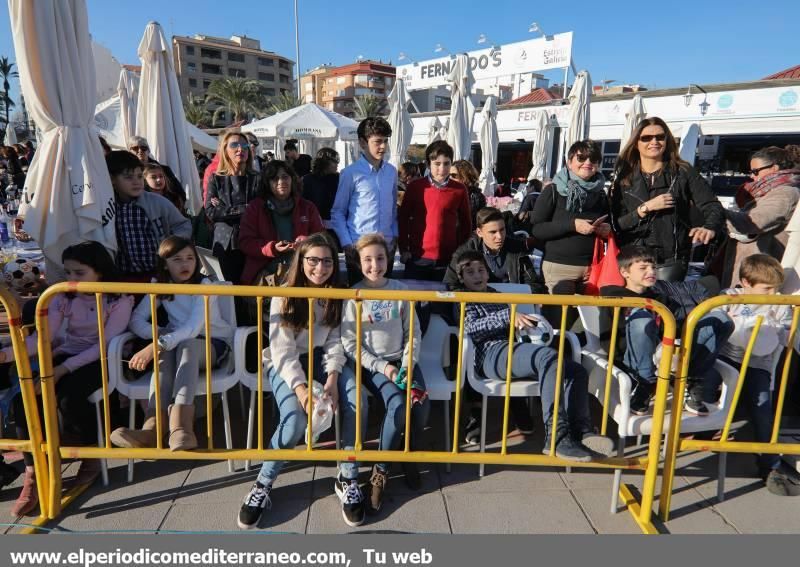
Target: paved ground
{"points": [[202, 496]]}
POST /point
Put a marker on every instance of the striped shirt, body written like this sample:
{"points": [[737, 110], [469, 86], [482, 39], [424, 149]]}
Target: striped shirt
{"points": [[136, 241]]}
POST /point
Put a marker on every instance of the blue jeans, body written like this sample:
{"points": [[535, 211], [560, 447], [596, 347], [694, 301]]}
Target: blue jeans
{"points": [[642, 335], [394, 400], [541, 363], [293, 418], [758, 403]]}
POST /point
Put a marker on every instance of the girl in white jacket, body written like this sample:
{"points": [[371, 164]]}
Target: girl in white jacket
{"points": [[315, 264], [181, 348]]}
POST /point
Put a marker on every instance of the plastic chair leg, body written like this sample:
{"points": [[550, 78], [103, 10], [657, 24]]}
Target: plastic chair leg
{"points": [[226, 414], [101, 442], [484, 405], [617, 477], [447, 446], [131, 425], [723, 465], [250, 425]]}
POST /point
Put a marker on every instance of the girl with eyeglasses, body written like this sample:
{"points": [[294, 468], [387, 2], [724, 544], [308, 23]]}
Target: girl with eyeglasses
{"points": [[315, 265], [568, 216], [655, 196], [273, 224], [230, 189]]}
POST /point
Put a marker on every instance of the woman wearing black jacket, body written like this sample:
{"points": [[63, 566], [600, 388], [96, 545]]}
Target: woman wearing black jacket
{"points": [[230, 189], [653, 193], [568, 216]]}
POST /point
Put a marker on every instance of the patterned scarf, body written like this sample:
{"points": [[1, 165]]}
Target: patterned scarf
{"points": [[756, 189], [581, 195]]}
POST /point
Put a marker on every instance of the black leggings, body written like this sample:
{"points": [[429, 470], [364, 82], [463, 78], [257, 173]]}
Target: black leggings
{"points": [[72, 391]]}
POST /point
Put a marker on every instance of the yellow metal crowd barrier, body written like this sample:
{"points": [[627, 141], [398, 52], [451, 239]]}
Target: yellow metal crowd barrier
{"points": [[55, 451], [724, 445], [33, 444]]}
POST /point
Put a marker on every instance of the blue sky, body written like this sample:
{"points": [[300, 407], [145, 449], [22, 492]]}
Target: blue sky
{"points": [[658, 44]]}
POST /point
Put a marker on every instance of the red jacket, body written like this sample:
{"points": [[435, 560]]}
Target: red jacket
{"points": [[210, 170], [258, 236], [433, 222]]}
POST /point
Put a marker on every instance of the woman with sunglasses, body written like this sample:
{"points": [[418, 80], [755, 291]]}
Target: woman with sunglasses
{"points": [[567, 217], [765, 205], [273, 224], [652, 198], [232, 186]]}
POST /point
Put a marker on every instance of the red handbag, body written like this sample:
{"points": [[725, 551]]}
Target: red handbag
{"points": [[604, 269]]}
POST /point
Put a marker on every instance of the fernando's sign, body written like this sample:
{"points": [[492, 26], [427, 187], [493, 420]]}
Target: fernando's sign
{"points": [[554, 52]]}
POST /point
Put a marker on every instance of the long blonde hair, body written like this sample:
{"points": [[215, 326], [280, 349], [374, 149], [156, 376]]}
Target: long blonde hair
{"points": [[225, 166]]}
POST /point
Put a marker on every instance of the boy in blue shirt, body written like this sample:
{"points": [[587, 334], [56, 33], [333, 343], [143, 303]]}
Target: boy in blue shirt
{"points": [[366, 199]]}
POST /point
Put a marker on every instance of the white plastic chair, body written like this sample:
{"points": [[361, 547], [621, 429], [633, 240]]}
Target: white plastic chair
{"points": [[210, 264], [222, 379], [434, 357], [595, 361]]}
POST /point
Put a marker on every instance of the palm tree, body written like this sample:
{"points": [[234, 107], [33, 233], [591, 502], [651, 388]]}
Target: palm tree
{"points": [[285, 101], [369, 106], [196, 110], [7, 72], [237, 97]]}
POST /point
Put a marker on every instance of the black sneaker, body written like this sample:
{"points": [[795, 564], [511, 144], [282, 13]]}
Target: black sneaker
{"points": [[568, 449], [694, 399], [521, 414], [412, 476], [352, 500], [253, 506], [783, 482], [8, 474], [472, 431], [640, 397]]}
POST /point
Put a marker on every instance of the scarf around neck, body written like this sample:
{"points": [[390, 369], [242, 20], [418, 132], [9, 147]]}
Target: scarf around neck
{"points": [[580, 194], [279, 207], [761, 187]]}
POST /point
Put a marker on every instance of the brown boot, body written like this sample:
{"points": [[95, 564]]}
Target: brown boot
{"points": [[181, 427], [139, 438], [28, 498]]}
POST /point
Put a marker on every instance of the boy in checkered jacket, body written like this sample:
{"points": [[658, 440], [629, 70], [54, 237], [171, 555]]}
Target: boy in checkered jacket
{"points": [[487, 325]]}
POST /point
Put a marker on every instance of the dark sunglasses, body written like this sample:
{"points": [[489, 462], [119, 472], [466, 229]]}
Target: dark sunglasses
{"points": [[650, 137], [758, 170], [243, 145], [139, 148], [582, 159]]}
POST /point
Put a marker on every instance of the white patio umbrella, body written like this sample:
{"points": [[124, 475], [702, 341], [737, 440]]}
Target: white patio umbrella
{"points": [[542, 147], [434, 130], [128, 92], [689, 141], [308, 121], [159, 113], [11, 135], [489, 141], [462, 109], [400, 121], [635, 114], [68, 194], [579, 98]]}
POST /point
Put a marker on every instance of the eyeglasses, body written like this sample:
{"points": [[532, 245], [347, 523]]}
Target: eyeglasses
{"points": [[314, 261], [591, 159], [758, 170], [236, 145], [139, 148], [650, 137]]}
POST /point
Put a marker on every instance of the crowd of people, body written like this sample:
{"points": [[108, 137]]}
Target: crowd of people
{"points": [[284, 222]]}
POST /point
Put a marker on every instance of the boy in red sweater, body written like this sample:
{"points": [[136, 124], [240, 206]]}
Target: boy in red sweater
{"points": [[434, 218]]}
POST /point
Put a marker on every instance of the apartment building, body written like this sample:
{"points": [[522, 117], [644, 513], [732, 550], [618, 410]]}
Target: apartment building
{"points": [[335, 88], [202, 58]]}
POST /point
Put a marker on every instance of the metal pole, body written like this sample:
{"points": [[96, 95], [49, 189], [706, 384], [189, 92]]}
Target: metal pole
{"points": [[566, 79], [297, 46]]}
